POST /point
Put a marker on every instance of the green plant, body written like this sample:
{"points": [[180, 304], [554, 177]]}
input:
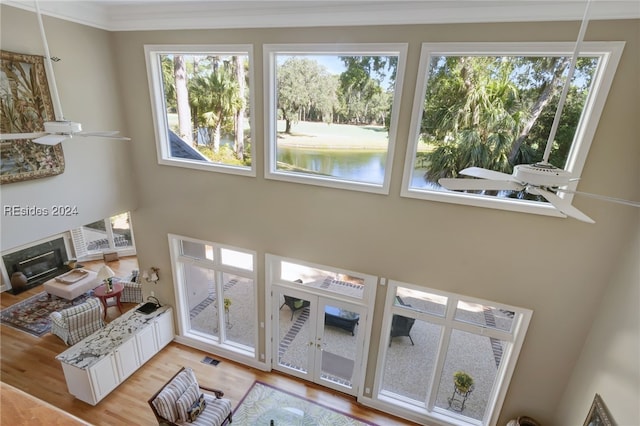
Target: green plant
{"points": [[462, 381], [227, 303]]}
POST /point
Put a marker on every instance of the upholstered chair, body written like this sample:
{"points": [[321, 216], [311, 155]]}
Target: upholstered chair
{"points": [[132, 292], [77, 322], [182, 401]]}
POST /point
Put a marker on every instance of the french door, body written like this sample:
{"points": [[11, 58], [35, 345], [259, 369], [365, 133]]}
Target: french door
{"points": [[318, 338]]}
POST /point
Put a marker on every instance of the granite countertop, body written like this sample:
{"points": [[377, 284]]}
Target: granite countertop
{"points": [[93, 348]]}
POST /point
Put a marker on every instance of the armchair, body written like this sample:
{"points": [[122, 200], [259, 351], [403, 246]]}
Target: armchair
{"points": [[77, 322], [401, 325], [181, 402], [294, 304], [132, 292]]}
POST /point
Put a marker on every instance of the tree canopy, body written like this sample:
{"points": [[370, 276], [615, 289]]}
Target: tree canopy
{"points": [[496, 112]]}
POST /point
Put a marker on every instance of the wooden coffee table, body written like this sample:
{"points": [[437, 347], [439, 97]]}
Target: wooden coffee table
{"points": [[111, 298]]}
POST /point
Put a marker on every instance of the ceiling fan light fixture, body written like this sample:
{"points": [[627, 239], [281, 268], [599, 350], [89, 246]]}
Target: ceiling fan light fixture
{"points": [[542, 174], [62, 127]]}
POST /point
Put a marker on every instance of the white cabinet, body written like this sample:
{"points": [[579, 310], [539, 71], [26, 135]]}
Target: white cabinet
{"points": [[163, 327], [147, 344], [104, 377], [96, 365], [127, 359]]}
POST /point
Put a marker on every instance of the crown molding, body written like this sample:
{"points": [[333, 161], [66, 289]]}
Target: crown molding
{"points": [[125, 15]]}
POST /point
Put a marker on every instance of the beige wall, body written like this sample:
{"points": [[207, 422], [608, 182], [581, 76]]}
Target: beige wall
{"points": [[98, 174], [609, 362], [559, 268]]}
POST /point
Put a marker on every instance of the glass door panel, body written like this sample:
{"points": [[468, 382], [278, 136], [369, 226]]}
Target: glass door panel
{"points": [[410, 358], [294, 332], [238, 305], [200, 290], [339, 345], [340, 339], [477, 356]]}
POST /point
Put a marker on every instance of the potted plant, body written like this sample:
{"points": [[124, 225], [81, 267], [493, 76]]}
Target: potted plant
{"points": [[462, 381], [227, 304]]}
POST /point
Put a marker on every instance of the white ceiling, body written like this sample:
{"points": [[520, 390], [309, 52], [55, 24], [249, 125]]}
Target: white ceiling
{"points": [[122, 15]]}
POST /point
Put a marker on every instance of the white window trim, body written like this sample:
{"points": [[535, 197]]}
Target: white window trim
{"points": [[154, 74], [515, 336], [610, 53], [193, 339], [356, 49], [272, 277]]}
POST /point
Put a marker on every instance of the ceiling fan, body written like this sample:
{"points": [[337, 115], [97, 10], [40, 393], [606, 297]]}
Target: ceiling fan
{"points": [[542, 178], [60, 129]]}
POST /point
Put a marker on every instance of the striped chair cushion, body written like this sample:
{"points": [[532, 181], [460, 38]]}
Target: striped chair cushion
{"points": [[186, 400], [166, 400], [215, 412]]}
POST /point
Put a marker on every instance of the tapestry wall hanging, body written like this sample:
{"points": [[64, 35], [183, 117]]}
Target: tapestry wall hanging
{"points": [[25, 104]]}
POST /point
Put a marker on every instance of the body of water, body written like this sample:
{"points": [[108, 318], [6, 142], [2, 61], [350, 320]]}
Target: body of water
{"points": [[357, 166]]}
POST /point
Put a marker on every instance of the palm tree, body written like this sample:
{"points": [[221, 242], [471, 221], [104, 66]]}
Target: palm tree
{"points": [[476, 113], [216, 100], [185, 129]]}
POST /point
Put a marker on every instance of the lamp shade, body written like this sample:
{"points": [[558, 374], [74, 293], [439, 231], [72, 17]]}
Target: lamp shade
{"points": [[105, 273]]}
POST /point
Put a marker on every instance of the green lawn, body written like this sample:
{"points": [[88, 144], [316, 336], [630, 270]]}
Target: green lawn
{"points": [[322, 135]]}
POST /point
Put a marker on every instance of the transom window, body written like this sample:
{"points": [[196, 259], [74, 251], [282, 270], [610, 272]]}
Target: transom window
{"points": [[202, 104], [332, 113], [492, 106]]}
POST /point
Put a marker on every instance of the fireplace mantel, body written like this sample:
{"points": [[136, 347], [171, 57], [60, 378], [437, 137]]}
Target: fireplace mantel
{"points": [[39, 262]]}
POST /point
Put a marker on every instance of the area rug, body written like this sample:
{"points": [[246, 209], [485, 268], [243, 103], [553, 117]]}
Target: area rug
{"points": [[32, 314], [264, 403]]}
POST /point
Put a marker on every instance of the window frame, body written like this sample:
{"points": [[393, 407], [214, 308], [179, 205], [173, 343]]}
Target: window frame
{"points": [[79, 241], [609, 53], [270, 51], [401, 406], [196, 339], [156, 91]]}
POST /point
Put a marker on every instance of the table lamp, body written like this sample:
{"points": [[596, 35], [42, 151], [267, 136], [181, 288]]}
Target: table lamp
{"points": [[104, 274]]}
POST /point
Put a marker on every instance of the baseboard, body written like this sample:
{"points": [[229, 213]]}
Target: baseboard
{"points": [[221, 352]]}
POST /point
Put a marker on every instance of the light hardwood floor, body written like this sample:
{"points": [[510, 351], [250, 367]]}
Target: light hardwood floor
{"points": [[28, 363]]}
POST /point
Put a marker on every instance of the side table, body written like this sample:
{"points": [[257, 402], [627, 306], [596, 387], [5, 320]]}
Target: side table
{"points": [[111, 298]]}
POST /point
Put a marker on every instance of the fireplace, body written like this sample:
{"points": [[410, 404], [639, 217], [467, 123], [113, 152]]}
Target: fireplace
{"points": [[39, 263]]}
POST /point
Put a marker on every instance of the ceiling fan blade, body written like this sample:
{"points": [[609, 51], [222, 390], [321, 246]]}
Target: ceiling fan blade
{"points": [[479, 172], [51, 139], [105, 134], [479, 184], [562, 205], [102, 133], [603, 197], [16, 136]]}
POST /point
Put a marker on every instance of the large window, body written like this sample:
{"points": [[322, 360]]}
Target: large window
{"points": [[216, 295], [332, 113], [202, 104], [432, 337], [113, 234], [493, 105]]}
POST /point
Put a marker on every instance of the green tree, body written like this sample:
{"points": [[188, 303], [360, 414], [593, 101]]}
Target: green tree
{"points": [[302, 85], [473, 111], [495, 112], [363, 98], [216, 100], [185, 128]]}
